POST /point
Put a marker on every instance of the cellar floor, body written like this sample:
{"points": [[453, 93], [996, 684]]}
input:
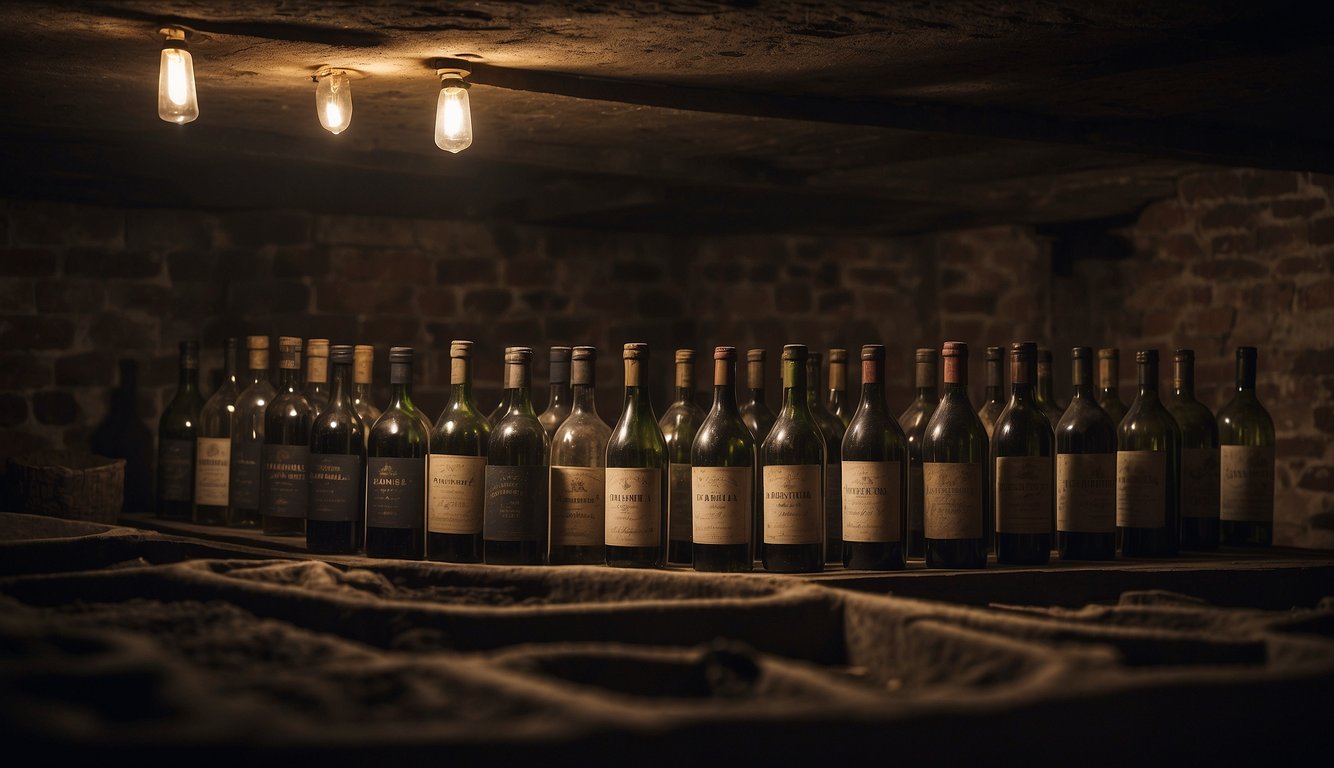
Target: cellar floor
{"points": [[213, 646]]}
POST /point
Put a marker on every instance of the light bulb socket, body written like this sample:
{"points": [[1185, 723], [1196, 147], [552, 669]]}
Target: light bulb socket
{"points": [[452, 69], [175, 38]]}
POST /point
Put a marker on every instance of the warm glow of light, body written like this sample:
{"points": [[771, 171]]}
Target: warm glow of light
{"points": [[177, 101], [333, 101], [453, 117]]}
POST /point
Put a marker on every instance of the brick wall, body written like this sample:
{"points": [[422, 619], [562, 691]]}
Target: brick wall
{"points": [[1236, 258]]}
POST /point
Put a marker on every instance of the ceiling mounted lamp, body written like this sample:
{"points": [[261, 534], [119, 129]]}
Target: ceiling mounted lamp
{"points": [[176, 99], [333, 99], [453, 116]]}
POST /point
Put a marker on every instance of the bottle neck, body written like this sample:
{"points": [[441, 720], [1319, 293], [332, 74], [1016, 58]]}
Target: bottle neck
{"points": [[796, 396], [342, 372], [584, 398], [519, 400], [400, 395], [927, 390], [1043, 389], [289, 379], [229, 364], [188, 379], [757, 395], [1246, 376], [559, 395], [1082, 379], [1022, 372], [873, 397], [724, 387], [1148, 381], [684, 395]]}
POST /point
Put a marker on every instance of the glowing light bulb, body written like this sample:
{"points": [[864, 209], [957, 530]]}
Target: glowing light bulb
{"points": [[453, 117], [333, 100], [176, 98]]}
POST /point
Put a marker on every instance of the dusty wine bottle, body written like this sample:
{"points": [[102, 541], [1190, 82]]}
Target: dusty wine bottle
{"points": [[792, 464], [317, 374], [636, 534], [284, 486], [1246, 434], [396, 469], [514, 523], [1148, 454], [838, 404], [456, 491], [875, 476], [914, 421], [248, 437], [558, 397], [954, 473], [213, 447], [831, 429], [336, 511], [722, 470], [177, 433], [362, 365], [1022, 469], [1044, 394], [578, 472], [757, 417], [1199, 457], [679, 425], [993, 398], [1085, 471], [1109, 377]]}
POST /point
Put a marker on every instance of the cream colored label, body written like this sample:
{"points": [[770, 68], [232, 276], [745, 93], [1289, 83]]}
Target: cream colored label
{"points": [[1246, 483], [1199, 482], [578, 506], [1023, 494], [317, 369], [722, 504], [456, 496], [1086, 492], [1141, 489], [872, 500], [634, 507], [213, 462], [952, 503], [793, 504]]}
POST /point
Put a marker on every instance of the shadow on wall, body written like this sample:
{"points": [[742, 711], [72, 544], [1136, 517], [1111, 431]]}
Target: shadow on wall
{"points": [[123, 435]]}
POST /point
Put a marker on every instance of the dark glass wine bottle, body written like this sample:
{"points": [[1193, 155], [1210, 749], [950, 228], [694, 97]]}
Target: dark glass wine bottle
{"points": [[1044, 395], [757, 417], [1148, 456], [396, 469], [558, 398], [248, 437], [1085, 471], [578, 472], [679, 425], [337, 513], [284, 485], [875, 476], [317, 374], [832, 430], [1246, 484], [792, 463], [636, 529], [514, 524], [1109, 377], [1199, 457], [1023, 450], [954, 473], [913, 421], [502, 408], [993, 398], [838, 387], [177, 432], [362, 365], [722, 470], [213, 447], [456, 493]]}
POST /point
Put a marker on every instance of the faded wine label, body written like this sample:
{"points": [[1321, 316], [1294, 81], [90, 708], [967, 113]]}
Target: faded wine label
{"points": [[246, 458], [1086, 492], [395, 492], [578, 506], [213, 463], [634, 507], [283, 487], [516, 503], [793, 504], [722, 504], [952, 500], [1199, 482], [678, 502], [1141, 489], [176, 459], [872, 500], [456, 496], [1023, 494], [335, 487], [1247, 483]]}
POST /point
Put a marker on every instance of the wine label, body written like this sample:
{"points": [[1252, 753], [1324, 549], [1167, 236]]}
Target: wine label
{"points": [[395, 492], [872, 500], [456, 497], [952, 500], [1023, 494], [833, 500], [213, 462], [1086, 492], [176, 461], [578, 506], [916, 497], [244, 491], [793, 501], [1141, 489], [722, 504], [516, 503], [1247, 483], [1199, 482], [335, 487], [283, 488], [634, 506], [679, 483]]}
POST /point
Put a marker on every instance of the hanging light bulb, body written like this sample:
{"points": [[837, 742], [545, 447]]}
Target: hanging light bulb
{"points": [[333, 100], [453, 117], [176, 99]]}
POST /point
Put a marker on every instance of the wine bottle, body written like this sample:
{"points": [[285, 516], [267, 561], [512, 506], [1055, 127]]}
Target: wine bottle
{"points": [[502, 408], [838, 387], [722, 477], [1044, 395], [993, 397], [514, 524], [213, 447], [913, 422], [679, 424], [284, 486], [456, 492], [1148, 451], [177, 432], [954, 473], [1109, 376], [558, 400], [1023, 450], [757, 417], [1085, 471], [337, 513], [363, 363], [396, 469], [1246, 485], [792, 463], [636, 475], [832, 430], [1199, 457], [578, 472], [317, 374], [875, 476], [248, 437]]}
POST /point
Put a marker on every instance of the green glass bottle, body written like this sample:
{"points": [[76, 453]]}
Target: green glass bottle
{"points": [[838, 387], [926, 370], [558, 394], [336, 514], [514, 525], [1148, 461], [456, 491], [1109, 378], [954, 473], [722, 462], [636, 527], [284, 485], [875, 476], [213, 447], [1199, 457], [792, 464], [579, 472], [1023, 450], [831, 428], [759, 419], [362, 365], [993, 398], [396, 469], [679, 425], [1246, 485], [177, 433], [1085, 471], [243, 500], [317, 374], [1045, 395]]}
